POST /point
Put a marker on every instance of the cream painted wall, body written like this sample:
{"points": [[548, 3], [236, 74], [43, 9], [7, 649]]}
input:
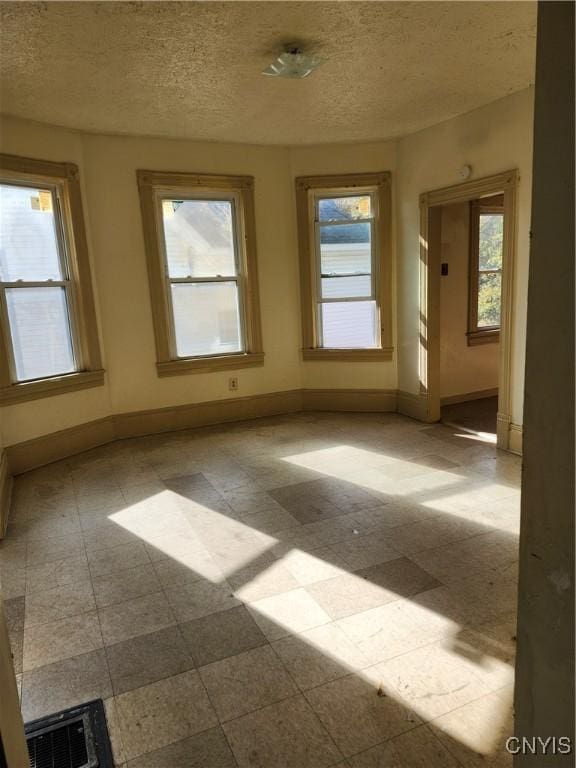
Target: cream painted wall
{"points": [[110, 173], [346, 158], [463, 369], [40, 417], [493, 139]]}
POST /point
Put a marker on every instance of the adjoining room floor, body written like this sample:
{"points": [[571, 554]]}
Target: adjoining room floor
{"points": [[475, 415], [296, 592]]}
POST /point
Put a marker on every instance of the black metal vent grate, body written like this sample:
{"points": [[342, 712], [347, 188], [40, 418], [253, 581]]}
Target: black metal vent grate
{"points": [[65, 745], [74, 738]]}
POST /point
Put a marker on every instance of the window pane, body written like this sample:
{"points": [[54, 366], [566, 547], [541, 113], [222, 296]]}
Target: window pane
{"points": [[353, 207], [199, 238], [345, 249], [349, 324], [28, 244], [491, 238], [346, 287], [489, 299], [40, 332], [206, 318]]}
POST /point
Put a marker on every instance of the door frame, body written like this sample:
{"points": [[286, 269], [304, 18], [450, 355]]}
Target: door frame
{"points": [[430, 257]]}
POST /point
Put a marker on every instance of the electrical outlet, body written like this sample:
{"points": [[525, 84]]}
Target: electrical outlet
{"points": [[233, 384]]}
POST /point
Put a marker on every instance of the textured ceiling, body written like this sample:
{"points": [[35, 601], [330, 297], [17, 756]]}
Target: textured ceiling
{"points": [[192, 69]]}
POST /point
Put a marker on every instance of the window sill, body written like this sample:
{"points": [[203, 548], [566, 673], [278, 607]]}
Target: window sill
{"points": [[58, 385], [348, 355], [209, 364], [483, 337]]}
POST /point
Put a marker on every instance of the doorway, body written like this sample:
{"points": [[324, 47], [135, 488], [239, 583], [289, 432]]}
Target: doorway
{"points": [[467, 241], [472, 233]]}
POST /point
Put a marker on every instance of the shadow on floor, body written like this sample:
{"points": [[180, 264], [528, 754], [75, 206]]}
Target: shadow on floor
{"points": [[475, 415]]}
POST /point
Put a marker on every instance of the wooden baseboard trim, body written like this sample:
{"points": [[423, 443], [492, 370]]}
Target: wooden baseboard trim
{"points": [[515, 439], [5, 492], [415, 406], [39, 451], [205, 414], [469, 396], [354, 400]]}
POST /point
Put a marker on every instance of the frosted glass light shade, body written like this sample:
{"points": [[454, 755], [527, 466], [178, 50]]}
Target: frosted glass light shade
{"points": [[293, 64]]}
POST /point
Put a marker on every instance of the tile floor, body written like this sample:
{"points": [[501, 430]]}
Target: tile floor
{"points": [[303, 591]]}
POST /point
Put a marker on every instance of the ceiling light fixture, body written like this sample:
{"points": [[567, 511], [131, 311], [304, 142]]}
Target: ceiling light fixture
{"points": [[293, 63]]}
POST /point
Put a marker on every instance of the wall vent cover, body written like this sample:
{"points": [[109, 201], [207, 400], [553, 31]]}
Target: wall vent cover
{"points": [[74, 738]]}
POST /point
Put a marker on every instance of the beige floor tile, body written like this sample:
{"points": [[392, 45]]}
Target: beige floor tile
{"points": [[61, 639], [286, 734], [417, 748], [290, 612], [125, 585], [432, 533], [140, 616], [364, 551], [350, 594], [54, 526], [17, 648], [103, 562], [251, 680], [13, 554], [476, 733], [116, 743], [58, 603], [64, 684], [270, 520], [251, 501], [205, 750], [179, 546], [188, 568], [319, 655], [14, 611], [261, 580], [58, 573], [40, 551], [433, 680], [384, 632], [348, 489], [114, 535], [12, 580], [162, 713], [310, 567], [219, 635], [356, 716], [191, 601], [147, 658]]}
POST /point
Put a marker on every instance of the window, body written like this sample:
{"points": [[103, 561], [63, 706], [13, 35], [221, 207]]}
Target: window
{"points": [[486, 249], [49, 340], [199, 233], [344, 241]]}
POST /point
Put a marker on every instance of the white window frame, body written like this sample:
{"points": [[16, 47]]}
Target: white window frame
{"points": [[239, 259]]}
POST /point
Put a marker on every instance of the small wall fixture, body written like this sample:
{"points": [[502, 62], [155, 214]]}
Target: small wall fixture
{"points": [[465, 172], [293, 63]]}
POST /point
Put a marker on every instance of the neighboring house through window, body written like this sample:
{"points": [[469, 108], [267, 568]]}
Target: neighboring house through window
{"points": [[49, 340], [344, 240], [202, 265]]}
